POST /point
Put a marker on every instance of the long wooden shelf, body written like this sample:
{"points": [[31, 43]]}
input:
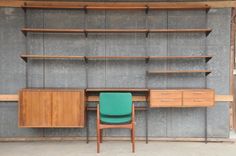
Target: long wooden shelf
{"points": [[180, 72], [26, 57], [15, 98], [33, 56], [206, 57], [117, 6], [117, 89], [86, 31]]}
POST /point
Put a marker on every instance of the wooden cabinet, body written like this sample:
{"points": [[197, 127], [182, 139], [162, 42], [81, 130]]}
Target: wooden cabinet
{"points": [[51, 108], [182, 98]]}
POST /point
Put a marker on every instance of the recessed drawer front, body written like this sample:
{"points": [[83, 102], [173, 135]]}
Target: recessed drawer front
{"points": [[165, 94], [166, 102], [198, 94], [198, 102]]}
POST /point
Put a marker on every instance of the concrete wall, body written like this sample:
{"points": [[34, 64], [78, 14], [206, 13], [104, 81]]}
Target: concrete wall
{"points": [[164, 122]]}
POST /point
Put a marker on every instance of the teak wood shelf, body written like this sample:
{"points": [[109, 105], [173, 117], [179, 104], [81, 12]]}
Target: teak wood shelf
{"points": [[86, 31], [179, 72], [32, 56], [26, 57], [117, 6]]}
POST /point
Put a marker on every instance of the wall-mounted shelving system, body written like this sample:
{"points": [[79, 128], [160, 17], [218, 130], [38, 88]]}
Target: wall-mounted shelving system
{"points": [[146, 31]]}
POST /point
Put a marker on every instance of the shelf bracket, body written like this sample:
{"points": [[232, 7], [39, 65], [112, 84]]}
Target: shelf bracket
{"points": [[207, 73], [207, 10], [207, 59], [207, 33], [86, 59], [85, 9], [85, 33], [147, 33], [25, 59], [147, 59], [23, 7], [147, 9]]}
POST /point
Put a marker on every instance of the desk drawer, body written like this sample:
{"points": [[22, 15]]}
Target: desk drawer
{"points": [[209, 94], [198, 102], [162, 94], [166, 102]]}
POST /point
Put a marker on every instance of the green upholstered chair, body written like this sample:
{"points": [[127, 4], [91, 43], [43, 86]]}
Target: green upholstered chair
{"points": [[115, 110]]}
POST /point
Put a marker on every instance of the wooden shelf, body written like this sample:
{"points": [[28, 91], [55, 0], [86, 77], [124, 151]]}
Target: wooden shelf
{"points": [[180, 72], [117, 89], [32, 56], [26, 57], [118, 6], [207, 58], [39, 30], [86, 31]]}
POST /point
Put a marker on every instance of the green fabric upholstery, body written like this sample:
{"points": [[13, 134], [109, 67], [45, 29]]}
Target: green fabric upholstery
{"points": [[115, 119], [115, 108]]}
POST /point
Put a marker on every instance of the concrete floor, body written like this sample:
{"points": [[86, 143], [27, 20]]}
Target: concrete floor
{"points": [[116, 148]]}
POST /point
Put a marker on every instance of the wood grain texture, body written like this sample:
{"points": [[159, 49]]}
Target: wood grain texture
{"points": [[9, 97], [182, 98], [42, 108], [35, 109], [67, 109]]}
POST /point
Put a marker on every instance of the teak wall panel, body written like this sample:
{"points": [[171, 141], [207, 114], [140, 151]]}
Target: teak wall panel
{"points": [[68, 109], [35, 109]]}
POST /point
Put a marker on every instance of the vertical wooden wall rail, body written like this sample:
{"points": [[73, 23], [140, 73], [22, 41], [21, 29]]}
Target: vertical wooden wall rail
{"points": [[232, 66]]}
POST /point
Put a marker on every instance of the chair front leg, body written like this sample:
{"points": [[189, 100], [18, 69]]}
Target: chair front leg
{"points": [[133, 129], [98, 130]]}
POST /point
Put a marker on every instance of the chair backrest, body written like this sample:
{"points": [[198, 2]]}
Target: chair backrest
{"points": [[115, 104]]}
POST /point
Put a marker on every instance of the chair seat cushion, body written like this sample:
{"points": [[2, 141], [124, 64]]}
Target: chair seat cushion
{"points": [[115, 119]]}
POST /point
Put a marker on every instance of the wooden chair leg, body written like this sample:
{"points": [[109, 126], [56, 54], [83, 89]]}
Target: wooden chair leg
{"points": [[131, 136], [133, 140], [98, 140], [101, 136]]}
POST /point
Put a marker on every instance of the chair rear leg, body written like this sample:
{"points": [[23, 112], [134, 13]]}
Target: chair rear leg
{"points": [[101, 135], [98, 140], [133, 140]]}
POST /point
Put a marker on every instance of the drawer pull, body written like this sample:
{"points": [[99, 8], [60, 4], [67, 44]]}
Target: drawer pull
{"points": [[199, 100], [167, 100], [198, 93]]}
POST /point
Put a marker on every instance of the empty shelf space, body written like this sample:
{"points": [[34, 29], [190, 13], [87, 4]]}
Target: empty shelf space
{"points": [[26, 57], [86, 31], [179, 72], [117, 89]]}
